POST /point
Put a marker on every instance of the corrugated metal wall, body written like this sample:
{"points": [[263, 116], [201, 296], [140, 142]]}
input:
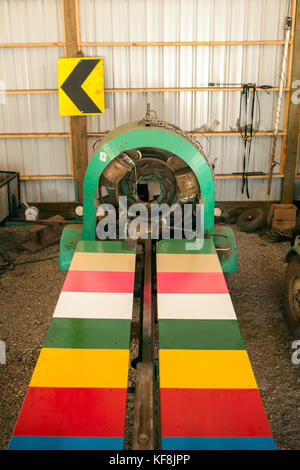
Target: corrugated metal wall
{"points": [[37, 21], [128, 67]]}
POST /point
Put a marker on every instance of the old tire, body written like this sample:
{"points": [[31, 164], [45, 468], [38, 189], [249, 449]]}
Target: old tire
{"points": [[292, 296], [251, 220]]}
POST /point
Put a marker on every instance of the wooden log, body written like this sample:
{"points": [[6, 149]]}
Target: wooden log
{"points": [[143, 438], [143, 419]]}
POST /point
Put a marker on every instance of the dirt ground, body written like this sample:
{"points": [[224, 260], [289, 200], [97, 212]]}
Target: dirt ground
{"points": [[29, 292]]}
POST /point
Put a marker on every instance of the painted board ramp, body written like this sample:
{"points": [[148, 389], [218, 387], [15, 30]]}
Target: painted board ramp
{"points": [[209, 396], [77, 394]]}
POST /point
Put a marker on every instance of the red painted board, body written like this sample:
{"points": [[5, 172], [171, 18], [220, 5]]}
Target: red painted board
{"points": [[191, 283], [99, 281], [73, 412], [213, 413]]}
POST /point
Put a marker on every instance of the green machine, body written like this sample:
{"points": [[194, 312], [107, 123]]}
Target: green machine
{"points": [[150, 162]]}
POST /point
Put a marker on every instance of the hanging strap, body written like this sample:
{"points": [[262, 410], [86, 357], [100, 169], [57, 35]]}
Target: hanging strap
{"points": [[247, 134]]}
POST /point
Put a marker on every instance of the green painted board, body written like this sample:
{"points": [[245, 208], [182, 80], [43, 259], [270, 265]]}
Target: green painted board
{"points": [[200, 334], [106, 246], [86, 333], [184, 246]]}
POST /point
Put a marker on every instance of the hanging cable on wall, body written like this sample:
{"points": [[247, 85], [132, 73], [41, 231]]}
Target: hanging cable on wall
{"points": [[248, 99]]}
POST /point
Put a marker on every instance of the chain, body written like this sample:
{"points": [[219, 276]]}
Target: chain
{"points": [[166, 125]]}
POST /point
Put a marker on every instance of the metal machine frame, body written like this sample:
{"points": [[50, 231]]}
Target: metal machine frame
{"points": [[133, 135]]}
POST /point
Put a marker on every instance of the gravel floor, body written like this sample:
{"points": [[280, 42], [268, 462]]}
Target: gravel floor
{"points": [[257, 294], [29, 292]]}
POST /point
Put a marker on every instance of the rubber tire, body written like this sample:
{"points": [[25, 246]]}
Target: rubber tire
{"points": [[293, 269], [295, 233], [249, 226]]}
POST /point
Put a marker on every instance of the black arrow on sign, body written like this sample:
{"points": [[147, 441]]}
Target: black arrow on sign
{"points": [[72, 86]]}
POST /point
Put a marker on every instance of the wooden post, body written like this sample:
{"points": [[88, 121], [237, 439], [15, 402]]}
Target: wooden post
{"points": [[77, 124], [287, 191], [286, 108]]}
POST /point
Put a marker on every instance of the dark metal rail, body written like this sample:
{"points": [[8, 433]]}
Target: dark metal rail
{"points": [[143, 438]]}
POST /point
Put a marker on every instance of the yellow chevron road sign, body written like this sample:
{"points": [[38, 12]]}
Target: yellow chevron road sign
{"points": [[80, 86]]}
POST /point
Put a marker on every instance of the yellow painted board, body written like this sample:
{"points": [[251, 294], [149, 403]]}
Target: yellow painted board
{"points": [[92, 84], [205, 369], [90, 368], [204, 263], [103, 262]]}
